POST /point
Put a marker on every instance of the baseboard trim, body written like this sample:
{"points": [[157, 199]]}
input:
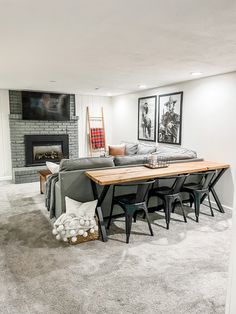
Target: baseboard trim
{"points": [[6, 178], [214, 205]]}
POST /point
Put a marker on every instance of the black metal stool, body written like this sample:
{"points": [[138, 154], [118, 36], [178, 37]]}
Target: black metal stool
{"points": [[200, 189], [170, 196], [131, 203]]}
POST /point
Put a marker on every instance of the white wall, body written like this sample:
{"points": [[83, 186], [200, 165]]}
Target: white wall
{"points": [[95, 103], [231, 300], [5, 159], [209, 127]]}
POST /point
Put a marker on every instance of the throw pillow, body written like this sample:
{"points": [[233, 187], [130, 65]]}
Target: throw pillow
{"points": [[79, 209], [72, 206], [131, 148], [52, 166], [116, 150]]}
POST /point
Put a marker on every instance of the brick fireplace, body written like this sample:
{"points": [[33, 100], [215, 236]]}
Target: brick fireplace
{"points": [[51, 140]]}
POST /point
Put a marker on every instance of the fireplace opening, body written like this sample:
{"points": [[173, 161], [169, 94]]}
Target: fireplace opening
{"points": [[47, 152], [42, 148]]}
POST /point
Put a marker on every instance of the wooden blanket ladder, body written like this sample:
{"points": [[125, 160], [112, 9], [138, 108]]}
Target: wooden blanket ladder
{"points": [[96, 134]]}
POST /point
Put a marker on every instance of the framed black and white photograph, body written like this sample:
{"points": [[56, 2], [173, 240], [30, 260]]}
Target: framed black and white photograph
{"points": [[147, 118], [170, 118]]}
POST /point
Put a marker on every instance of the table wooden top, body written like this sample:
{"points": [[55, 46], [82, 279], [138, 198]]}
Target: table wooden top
{"points": [[128, 174]]}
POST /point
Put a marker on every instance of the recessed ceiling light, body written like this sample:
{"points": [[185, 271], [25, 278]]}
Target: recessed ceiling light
{"points": [[196, 73], [109, 94], [142, 86], [96, 88], [52, 81]]}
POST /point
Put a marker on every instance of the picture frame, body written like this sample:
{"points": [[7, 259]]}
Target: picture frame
{"points": [[147, 118], [170, 118]]}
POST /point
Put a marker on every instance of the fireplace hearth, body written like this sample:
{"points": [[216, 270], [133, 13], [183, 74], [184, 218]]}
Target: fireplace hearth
{"points": [[42, 148]]}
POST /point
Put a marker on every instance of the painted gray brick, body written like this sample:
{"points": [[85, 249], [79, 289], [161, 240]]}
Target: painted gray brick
{"points": [[19, 128]]}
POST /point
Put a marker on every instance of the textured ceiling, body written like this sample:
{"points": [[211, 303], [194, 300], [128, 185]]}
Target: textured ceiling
{"points": [[114, 45]]}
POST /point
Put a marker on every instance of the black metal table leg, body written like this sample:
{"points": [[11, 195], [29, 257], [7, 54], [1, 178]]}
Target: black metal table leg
{"points": [[212, 190], [99, 209], [216, 198]]}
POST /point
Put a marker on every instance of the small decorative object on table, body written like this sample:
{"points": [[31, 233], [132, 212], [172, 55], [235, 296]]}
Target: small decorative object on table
{"points": [[154, 162]]}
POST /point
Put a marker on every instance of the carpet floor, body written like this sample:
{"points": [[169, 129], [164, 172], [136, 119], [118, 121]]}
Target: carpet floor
{"points": [[181, 270]]}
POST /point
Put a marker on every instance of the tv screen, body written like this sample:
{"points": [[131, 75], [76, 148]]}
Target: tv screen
{"points": [[45, 106]]}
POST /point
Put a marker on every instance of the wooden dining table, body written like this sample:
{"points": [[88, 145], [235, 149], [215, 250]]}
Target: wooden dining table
{"points": [[118, 175]]}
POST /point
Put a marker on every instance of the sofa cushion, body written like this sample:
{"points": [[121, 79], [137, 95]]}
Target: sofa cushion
{"points": [[145, 149], [131, 148], [130, 160], [174, 153], [86, 163], [116, 150]]}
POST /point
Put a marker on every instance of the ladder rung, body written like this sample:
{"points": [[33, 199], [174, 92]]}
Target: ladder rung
{"points": [[96, 149]]}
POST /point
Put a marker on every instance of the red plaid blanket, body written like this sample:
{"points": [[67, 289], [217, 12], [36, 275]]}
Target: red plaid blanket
{"points": [[97, 138]]}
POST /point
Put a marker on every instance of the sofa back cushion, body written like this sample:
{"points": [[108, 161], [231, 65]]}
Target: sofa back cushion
{"points": [[130, 160], [131, 149], [145, 149], [86, 163], [175, 153]]}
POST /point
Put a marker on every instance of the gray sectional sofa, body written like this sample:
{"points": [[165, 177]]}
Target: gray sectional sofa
{"points": [[71, 180]]}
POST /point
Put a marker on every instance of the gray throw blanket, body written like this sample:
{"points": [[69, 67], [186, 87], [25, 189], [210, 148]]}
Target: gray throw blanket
{"points": [[50, 194]]}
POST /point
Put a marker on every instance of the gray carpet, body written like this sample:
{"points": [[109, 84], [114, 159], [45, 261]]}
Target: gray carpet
{"points": [[183, 270]]}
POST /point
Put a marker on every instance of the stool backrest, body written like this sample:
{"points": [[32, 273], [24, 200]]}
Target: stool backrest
{"points": [[206, 179], [178, 183], [142, 190]]}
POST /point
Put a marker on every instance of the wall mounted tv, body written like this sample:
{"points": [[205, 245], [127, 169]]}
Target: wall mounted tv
{"points": [[45, 106]]}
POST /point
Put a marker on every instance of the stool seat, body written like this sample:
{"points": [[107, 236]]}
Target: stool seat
{"points": [[162, 190], [192, 186], [126, 199]]}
